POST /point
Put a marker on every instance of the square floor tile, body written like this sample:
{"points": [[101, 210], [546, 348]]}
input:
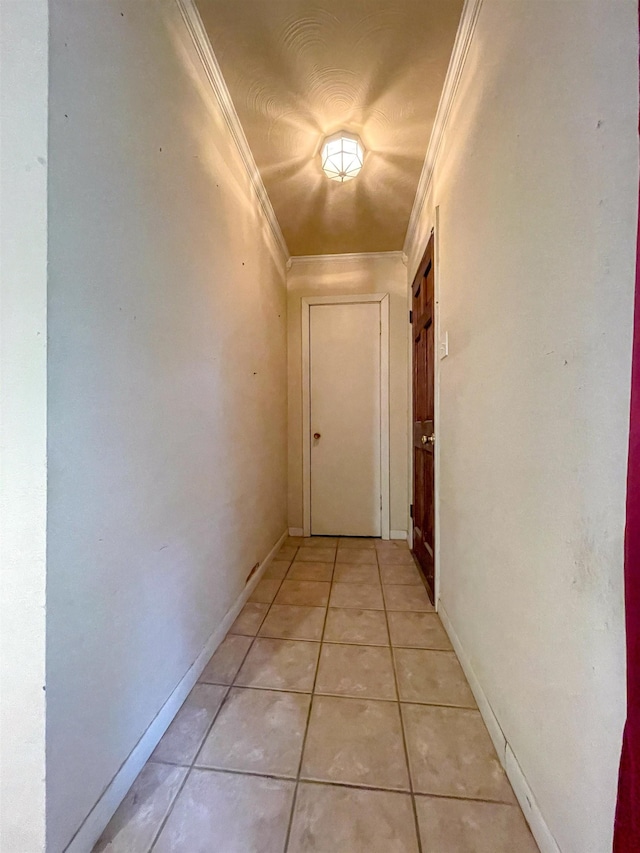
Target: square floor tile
{"points": [[309, 571], [356, 542], [354, 573], [396, 557], [320, 541], [401, 575], [287, 552], [433, 677], [405, 597], [135, 823], [291, 622], [265, 590], [451, 754], [225, 663], [316, 554], [249, 619], [356, 671], [417, 630], [295, 541], [357, 556], [392, 545], [280, 665], [229, 813], [464, 826], [276, 570], [363, 627], [182, 739], [260, 731], [359, 595], [333, 819], [311, 593], [357, 741]]}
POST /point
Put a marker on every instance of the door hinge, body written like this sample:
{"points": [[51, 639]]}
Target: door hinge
{"points": [[411, 316], [410, 510]]}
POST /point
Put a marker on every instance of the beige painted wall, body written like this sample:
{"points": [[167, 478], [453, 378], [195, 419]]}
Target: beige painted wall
{"points": [[333, 277], [23, 422], [167, 384], [536, 185]]}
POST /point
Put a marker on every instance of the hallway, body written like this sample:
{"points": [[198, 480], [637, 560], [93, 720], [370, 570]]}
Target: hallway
{"points": [[189, 188], [333, 717]]}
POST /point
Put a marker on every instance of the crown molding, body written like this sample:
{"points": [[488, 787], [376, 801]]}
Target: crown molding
{"points": [[200, 39], [295, 260], [464, 36]]}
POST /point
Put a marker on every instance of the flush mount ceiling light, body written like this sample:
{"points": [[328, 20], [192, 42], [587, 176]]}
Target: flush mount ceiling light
{"points": [[342, 156]]}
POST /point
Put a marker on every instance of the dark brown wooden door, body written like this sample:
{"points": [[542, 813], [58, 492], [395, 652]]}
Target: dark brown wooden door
{"points": [[423, 432]]}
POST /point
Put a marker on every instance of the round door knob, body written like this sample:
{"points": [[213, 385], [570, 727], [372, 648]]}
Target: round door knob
{"points": [[316, 435], [424, 439]]}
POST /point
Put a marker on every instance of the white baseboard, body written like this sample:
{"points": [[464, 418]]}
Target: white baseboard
{"points": [[102, 812], [539, 828], [398, 534], [296, 531], [530, 808]]}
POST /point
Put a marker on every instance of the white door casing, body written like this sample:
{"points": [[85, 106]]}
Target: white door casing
{"points": [[345, 354]]}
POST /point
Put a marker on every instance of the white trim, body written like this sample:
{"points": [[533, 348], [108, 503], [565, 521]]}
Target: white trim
{"points": [[294, 260], [296, 531], [464, 35], [342, 300], [398, 534], [204, 50], [531, 810], [102, 812], [306, 303]]}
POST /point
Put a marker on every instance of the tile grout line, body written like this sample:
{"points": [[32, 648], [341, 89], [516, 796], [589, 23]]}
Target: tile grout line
{"points": [[404, 736], [299, 692], [435, 796], [351, 785], [191, 766], [313, 688]]}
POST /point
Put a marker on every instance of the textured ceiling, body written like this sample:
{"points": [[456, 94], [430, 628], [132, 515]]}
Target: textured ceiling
{"points": [[298, 70]]}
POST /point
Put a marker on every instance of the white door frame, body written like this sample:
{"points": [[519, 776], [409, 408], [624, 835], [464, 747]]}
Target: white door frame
{"points": [[307, 302]]}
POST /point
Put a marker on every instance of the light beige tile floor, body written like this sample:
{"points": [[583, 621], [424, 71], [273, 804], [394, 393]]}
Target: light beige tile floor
{"points": [[334, 718]]}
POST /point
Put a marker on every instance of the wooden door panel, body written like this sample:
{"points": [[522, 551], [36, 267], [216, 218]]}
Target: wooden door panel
{"points": [[423, 413], [418, 499]]}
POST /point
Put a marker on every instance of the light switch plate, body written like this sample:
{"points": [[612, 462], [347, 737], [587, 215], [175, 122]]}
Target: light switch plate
{"points": [[444, 345]]}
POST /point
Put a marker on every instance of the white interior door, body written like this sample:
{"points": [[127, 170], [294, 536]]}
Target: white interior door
{"points": [[345, 399]]}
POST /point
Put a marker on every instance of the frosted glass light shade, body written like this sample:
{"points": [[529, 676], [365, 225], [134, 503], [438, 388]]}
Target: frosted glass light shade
{"points": [[342, 156]]}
